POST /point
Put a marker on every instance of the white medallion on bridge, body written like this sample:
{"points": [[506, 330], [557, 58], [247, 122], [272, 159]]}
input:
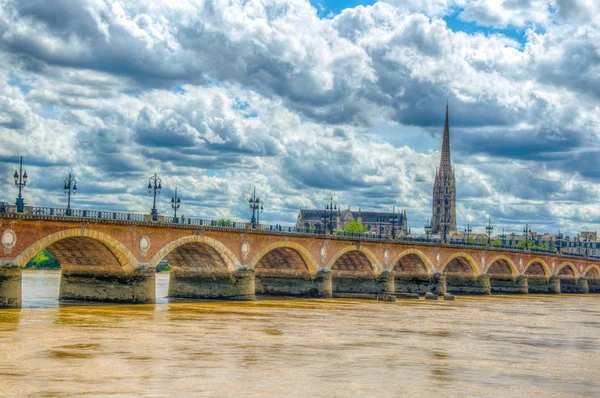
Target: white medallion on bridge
{"points": [[323, 252], [245, 249], [386, 255], [144, 244], [9, 240]]}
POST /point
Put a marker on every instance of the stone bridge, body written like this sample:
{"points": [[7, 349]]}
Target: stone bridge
{"points": [[115, 260]]}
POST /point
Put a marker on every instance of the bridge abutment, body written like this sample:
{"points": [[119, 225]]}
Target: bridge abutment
{"points": [[137, 288], [509, 285], [239, 285], [10, 286], [468, 285]]}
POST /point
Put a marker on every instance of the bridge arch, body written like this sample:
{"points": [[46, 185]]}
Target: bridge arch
{"points": [[537, 267], [417, 258], [290, 250], [97, 241], [567, 269], [200, 245], [459, 261], [374, 264], [592, 271], [500, 262]]}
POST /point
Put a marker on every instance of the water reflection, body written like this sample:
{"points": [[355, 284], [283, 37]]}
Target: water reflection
{"points": [[540, 346]]}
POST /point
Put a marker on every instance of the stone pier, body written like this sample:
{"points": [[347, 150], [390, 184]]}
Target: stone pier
{"points": [[509, 285], [574, 285], [468, 284], [299, 286], [137, 288], [348, 283], [420, 283], [239, 285], [10, 286]]}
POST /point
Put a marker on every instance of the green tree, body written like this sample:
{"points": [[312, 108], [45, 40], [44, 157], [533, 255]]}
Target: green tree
{"points": [[223, 223], [43, 260], [355, 227]]}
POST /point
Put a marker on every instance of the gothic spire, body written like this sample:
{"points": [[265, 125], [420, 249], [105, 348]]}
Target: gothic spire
{"points": [[446, 163]]}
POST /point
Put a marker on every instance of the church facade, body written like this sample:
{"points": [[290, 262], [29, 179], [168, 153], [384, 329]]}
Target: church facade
{"points": [[443, 219], [377, 223]]}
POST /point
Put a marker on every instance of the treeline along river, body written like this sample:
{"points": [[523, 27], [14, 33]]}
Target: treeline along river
{"points": [[484, 346]]}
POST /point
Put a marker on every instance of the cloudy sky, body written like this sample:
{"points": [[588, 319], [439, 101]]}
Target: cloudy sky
{"points": [[304, 100]]}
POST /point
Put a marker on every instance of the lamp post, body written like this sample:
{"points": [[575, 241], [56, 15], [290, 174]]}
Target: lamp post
{"points": [[558, 242], [489, 229], [380, 221], [70, 186], [503, 237], [330, 207], [324, 223], [527, 231], [257, 206], [394, 220], [175, 204], [444, 223], [21, 182], [468, 231], [154, 184], [427, 228]]}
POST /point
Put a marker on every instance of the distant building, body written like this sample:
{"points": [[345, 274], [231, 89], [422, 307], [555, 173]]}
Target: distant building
{"points": [[375, 221], [590, 236], [444, 190]]}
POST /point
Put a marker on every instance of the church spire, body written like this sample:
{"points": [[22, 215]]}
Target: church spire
{"points": [[446, 163]]}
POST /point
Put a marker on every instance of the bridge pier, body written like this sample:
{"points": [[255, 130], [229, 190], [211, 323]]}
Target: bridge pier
{"points": [[348, 283], [137, 288], [574, 286], [471, 285], [543, 285], [10, 286], [594, 285], [239, 285], [298, 286], [509, 285], [421, 284]]}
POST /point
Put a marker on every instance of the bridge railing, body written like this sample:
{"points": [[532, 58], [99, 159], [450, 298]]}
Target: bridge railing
{"points": [[194, 221]]}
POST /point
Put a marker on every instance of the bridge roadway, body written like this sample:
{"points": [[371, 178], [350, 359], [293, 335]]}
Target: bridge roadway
{"points": [[115, 260]]}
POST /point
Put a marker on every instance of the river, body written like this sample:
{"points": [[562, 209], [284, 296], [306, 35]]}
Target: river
{"points": [[488, 346]]}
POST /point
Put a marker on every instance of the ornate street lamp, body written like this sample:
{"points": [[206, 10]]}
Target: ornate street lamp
{"points": [[558, 242], [527, 231], [70, 187], [21, 182], [394, 220], [330, 207], [324, 223], [257, 206], [427, 228], [503, 237], [444, 223], [380, 221], [468, 231], [489, 229], [154, 184], [175, 204]]}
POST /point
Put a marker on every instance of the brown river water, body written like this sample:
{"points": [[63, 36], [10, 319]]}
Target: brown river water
{"points": [[540, 346]]}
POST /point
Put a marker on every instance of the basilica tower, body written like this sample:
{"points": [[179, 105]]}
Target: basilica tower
{"points": [[444, 189]]}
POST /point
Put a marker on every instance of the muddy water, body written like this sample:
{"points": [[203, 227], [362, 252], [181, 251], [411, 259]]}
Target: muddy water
{"points": [[495, 347]]}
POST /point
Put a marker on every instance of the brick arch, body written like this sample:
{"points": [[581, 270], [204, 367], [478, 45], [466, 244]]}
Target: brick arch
{"points": [[561, 271], [292, 254], [98, 242], [374, 264], [414, 257], [501, 261], [461, 260], [592, 272], [204, 247], [545, 269]]}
